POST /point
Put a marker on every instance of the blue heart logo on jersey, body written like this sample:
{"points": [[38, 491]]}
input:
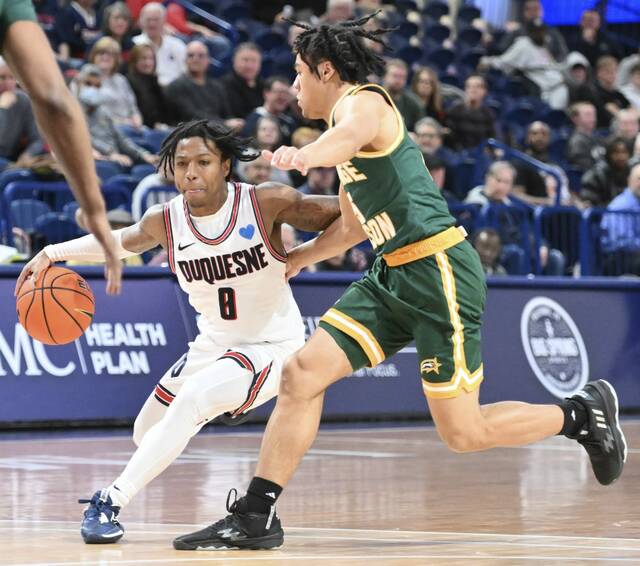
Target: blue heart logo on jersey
{"points": [[247, 231]]}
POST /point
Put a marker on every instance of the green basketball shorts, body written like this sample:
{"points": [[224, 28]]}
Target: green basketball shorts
{"points": [[12, 11], [437, 301]]}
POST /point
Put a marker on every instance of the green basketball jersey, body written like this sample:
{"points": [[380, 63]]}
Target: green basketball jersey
{"points": [[391, 191]]}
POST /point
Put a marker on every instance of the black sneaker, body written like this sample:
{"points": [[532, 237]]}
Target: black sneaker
{"points": [[240, 529], [230, 420], [602, 436]]}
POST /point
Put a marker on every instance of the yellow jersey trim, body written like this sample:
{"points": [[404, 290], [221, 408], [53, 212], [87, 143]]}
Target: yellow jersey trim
{"points": [[335, 106]]}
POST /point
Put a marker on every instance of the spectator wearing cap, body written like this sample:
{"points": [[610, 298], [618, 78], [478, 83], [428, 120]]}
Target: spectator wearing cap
{"points": [[277, 96], [609, 100], [395, 81], [242, 85], [583, 147], [631, 90], [107, 141], [76, 28], [170, 51], [118, 98], [18, 131], [530, 56], [195, 95], [533, 10], [591, 41], [471, 122]]}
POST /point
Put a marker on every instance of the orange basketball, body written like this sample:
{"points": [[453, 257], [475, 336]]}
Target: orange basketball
{"points": [[58, 308]]}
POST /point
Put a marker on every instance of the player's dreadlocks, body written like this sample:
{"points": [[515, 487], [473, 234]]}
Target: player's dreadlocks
{"points": [[230, 145], [342, 45]]}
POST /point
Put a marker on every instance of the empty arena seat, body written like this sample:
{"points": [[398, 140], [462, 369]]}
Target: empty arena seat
{"points": [[107, 169], [55, 227], [435, 9], [25, 211], [468, 13], [513, 260], [407, 29], [466, 215], [440, 58], [469, 36], [513, 223], [436, 32], [410, 54], [270, 39], [155, 138], [559, 228], [142, 170]]}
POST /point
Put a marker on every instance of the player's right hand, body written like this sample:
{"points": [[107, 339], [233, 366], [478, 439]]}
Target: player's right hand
{"points": [[98, 225], [38, 263], [293, 266]]}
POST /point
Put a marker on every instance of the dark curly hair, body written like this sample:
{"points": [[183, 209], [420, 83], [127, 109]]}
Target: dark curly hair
{"points": [[231, 146], [342, 45]]}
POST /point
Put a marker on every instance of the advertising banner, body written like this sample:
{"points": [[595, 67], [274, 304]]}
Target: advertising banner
{"points": [[543, 339], [107, 373]]}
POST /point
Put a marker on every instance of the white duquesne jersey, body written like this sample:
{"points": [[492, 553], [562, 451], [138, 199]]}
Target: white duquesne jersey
{"points": [[234, 277]]}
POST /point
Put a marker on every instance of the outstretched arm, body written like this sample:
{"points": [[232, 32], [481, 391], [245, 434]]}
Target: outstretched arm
{"points": [[60, 118], [357, 124], [344, 233], [133, 240]]}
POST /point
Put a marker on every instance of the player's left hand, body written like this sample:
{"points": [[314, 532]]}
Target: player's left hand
{"points": [[287, 158]]}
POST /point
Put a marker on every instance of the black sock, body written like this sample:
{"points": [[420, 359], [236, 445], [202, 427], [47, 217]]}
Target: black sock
{"points": [[575, 417], [261, 495]]}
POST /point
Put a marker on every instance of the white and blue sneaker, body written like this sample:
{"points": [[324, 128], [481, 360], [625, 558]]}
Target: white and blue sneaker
{"points": [[100, 524]]}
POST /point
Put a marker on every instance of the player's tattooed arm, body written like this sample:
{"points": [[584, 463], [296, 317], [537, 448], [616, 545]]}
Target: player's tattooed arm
{"points": [[283, 204]]}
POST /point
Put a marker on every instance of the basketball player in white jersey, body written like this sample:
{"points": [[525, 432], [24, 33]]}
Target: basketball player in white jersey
{"points": [[224, 245]]}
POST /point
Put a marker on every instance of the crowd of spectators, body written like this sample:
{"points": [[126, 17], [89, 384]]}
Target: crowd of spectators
{"points": [[567, 99]]}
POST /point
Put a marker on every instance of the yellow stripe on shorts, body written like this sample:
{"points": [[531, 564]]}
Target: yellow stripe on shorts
{"points": [[360, 333]]}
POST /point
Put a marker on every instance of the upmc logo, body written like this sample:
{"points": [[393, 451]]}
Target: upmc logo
{"points": [[554, 347], [105, 348]]}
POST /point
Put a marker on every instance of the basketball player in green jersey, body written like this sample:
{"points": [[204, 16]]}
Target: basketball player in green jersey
{"points": [[426, 284], [26, 49]]}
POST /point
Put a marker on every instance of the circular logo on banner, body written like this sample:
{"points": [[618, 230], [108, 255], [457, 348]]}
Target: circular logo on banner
{"points": [[554, 347]]}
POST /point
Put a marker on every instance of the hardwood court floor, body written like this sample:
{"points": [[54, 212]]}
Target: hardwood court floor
{"points": [[375, 496]]}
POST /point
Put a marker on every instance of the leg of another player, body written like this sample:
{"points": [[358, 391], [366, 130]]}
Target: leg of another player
{"points": [[294, 423], [62, 123], [466, 426]]}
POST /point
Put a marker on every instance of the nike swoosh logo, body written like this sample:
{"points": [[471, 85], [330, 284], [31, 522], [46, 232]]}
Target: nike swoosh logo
{"points": [[181, 247]]}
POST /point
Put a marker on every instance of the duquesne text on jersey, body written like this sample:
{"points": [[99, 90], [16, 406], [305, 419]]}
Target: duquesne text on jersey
{"points": [[224, 266]]}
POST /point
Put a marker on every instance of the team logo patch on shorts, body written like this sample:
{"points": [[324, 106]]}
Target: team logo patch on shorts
{"points": [[430, 365]]}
